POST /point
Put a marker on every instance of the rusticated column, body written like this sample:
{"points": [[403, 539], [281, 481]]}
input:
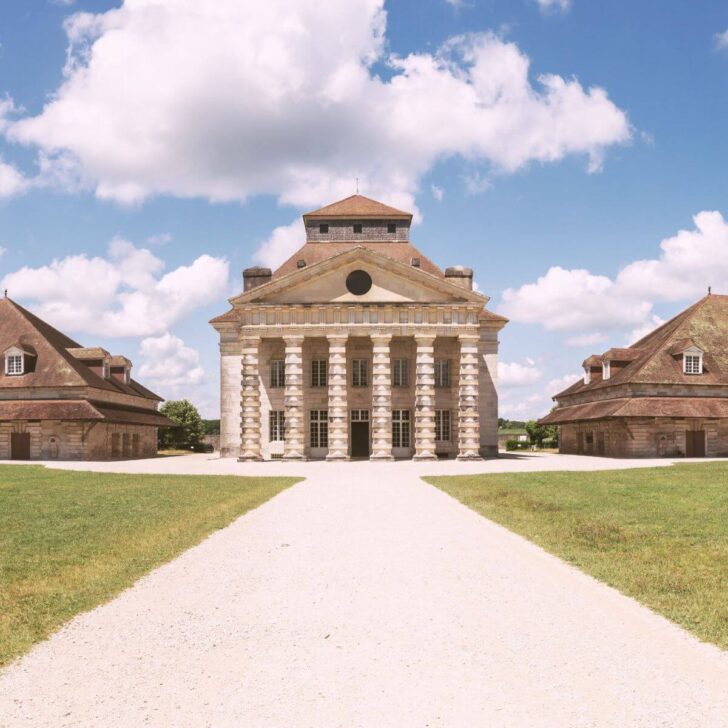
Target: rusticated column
{"points": [[425, 398], [468, 419], [293, 399], [381, 398], [338, 411], [250, 419]]}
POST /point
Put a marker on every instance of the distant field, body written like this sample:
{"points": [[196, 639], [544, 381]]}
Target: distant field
{"points": [[658, 534], [72, 540]]}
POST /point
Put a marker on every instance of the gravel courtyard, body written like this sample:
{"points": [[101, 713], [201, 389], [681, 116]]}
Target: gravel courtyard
{"points": [[364, 597]]}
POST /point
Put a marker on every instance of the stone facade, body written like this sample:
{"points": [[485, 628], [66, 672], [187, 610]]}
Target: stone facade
{"points": [[358, 352]]}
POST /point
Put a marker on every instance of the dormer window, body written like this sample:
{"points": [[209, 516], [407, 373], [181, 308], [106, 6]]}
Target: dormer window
{"points": [[692, 363], [323, 228], [587, 375], [606, 370], [14, 364], [392, 227], [357, 228]]}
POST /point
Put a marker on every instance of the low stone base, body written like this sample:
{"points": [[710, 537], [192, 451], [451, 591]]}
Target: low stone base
{"points": [[468, 457], [249, 460]]}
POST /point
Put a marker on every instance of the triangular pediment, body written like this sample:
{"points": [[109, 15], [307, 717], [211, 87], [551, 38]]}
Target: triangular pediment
{"points": [[391, 282]]}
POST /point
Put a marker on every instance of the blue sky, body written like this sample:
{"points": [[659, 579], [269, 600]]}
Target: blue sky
{"points": [[199, 164]]}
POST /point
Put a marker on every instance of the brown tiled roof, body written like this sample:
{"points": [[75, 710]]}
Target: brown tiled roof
{"points": [[616, 354], [592, 361], [312, 253], [705, 323], [78, 409], [88, 352], [230, 316], [55, 365], [358, 206], [704, 407]]}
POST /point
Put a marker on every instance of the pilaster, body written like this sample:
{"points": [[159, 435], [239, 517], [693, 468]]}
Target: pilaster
{"points": [[293, 399], [338, 410], [425, 398], [381, 397], [469, 422], [250, 419]]}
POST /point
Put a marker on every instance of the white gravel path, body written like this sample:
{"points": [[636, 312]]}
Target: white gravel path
{"points": [[364, 597]]}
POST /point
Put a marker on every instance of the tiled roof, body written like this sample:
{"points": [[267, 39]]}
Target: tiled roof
{"points": [[358, 206], [78, 409], [654, 359], [312, 253]]}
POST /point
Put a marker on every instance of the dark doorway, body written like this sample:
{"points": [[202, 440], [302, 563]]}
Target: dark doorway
{"points": [[360, 439], [20, 446], [695, 443]]}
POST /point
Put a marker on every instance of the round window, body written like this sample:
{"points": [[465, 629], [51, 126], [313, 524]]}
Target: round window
{"points": [[358, 282]]}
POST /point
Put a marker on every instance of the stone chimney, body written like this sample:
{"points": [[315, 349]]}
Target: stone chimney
{"points": [[254, 277], [460, 276]]}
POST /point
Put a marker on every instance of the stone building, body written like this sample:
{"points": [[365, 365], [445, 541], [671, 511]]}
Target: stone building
{"points": [[61, 400], [358, 346], [664, 396]]}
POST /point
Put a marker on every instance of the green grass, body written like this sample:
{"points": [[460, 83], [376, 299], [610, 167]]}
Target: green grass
{"points": [[658, 534], [72, 540]]}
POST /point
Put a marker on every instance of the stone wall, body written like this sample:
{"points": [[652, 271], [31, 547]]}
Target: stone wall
{"points": [[231, 365], [372, 231]]}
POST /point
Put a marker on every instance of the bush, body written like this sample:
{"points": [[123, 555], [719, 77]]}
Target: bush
{"points": [[511, 445], [189, 429]]}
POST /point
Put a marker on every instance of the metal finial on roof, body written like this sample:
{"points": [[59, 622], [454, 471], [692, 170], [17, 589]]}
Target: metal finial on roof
{"points": [[6, 293], [710, 288]]}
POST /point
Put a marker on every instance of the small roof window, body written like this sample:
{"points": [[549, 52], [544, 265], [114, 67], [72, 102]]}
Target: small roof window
{"points": [[357, 228], [391, 227], [323, 228]]}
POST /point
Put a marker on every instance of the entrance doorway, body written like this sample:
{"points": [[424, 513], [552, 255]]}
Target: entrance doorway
{"points": [[20, 446], [360, 434], [695, 443]]}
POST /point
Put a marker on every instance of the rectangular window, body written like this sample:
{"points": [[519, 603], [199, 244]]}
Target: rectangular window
{"points": [[400, 373], [14, 364], [360, 415], [442, 372], [359, 373], [693, 365], [319, 428], [323, 228], [357, 228], [276, 425], [400, 428], [442, 425], [391, 227], [277, 373], [318, 373]]}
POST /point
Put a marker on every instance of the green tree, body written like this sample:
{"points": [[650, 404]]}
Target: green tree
{"points": [[189, 429], [538, 433]]}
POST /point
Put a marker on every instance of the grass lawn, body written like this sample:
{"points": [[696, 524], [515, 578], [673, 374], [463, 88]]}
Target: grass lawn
{"points": [[72, 540], [658, 534]]}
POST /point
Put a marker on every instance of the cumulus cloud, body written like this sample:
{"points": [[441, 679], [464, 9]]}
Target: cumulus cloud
{"points": [[124, 294], [282, 243], [514, 374], [721, 40], [159, 239], [526, 408], [549, 6], [593, 305], [235, 98], [166, 360], [437, 192], [12, 182]]}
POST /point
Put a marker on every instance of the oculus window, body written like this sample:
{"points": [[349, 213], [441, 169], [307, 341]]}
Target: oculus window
{"points": [[358, 282]]}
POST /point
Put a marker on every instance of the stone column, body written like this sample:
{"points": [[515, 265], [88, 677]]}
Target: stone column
{"points": [[381, 398], [250, 420], [425, 398], [468, 420], [231, 402], [338, 410], [293, 399]]}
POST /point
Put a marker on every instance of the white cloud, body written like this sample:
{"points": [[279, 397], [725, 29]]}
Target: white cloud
{"points": [[641, 331], [124, 294], [235, 98], [561, 383], [167, 362], [12, 182], [721, 40], [283, 242], [437, 192], [517, 375], [586, 339], [531, 407], [2, 251], [159, 239], [548, 6]]}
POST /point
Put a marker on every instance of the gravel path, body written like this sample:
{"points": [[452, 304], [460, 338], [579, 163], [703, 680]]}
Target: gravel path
{"points": [[364, 597]]}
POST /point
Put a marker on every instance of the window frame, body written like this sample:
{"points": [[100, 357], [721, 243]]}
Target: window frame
{"points": [[400, 372], [443, 425], [391, 228], [318, 436], [358, 228], [442, 373], [319, 372], [689, 368], [323, 228], [276, 426], [606, 370], [401, 428], [277, 373], [360, 373], [11, 370]]}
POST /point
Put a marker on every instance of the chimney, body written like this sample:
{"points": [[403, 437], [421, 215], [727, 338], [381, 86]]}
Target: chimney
{"points": [[460, 276], [254, 277]]}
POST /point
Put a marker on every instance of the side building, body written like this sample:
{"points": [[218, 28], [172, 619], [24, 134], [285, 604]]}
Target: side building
{"points": [[60, 400], [664, 396], [358, 346]]}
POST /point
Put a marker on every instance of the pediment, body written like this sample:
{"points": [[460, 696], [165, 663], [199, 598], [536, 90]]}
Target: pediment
{"points": [[391, 282]]}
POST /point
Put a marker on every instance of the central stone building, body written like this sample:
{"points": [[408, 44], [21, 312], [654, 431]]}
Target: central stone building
{"points": [[358, 346]]}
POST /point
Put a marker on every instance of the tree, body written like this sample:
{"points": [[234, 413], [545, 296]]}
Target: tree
{"points": [[212, 427], [538, 433], [189, 430]]}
